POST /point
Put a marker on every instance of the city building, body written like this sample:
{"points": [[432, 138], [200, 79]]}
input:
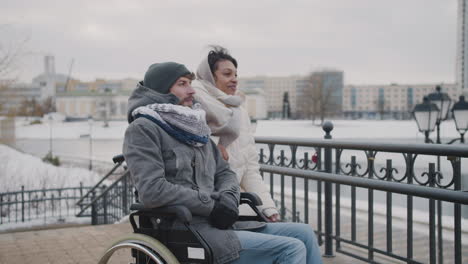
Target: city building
{"points": [[101, 99], [255, 103], [299, 89], [14, 96], [47, 80], [274, 89], [461, 77], [394, 101]]}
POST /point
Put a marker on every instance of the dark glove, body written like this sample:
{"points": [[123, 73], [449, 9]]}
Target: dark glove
{"points": [[225, 211]]}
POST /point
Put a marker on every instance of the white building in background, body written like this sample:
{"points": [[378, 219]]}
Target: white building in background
{"points": [[394, 101], [99, 106], [49, 82], [462, 48], [255, 103], [274, 89]]}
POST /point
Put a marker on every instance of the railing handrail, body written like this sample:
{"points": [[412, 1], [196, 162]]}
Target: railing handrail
{"points": [[45, 190], [424, 149], [103, 192], [99, 183], [395, 187]]}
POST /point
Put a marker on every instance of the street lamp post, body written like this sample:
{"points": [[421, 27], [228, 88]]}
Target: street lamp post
{"points": [[431, 113], [50, 135], [435, 109], [90, 122], [443, 101]]}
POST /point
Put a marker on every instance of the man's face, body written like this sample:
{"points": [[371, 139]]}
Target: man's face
{"points": [[182, 88]]}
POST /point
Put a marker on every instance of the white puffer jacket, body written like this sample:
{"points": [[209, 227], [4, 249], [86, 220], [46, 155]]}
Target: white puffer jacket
{"points": [[243, 156]]}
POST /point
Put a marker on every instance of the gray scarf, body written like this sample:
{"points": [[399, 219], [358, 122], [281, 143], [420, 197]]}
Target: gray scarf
{"points": [[187, 125]]}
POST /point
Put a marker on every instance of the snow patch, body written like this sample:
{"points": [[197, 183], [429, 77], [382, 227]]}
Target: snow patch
{"points": [[17, 169]]}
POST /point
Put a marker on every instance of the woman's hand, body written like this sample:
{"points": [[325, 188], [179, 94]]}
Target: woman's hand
{"points": [[224, 152], [273, 218]]}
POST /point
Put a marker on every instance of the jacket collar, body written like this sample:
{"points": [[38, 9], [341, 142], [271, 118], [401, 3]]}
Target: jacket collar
{"points": [[143, 95]]}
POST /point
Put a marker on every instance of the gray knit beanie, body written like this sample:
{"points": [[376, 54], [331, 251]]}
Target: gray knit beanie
{"points": [[161, 76]]}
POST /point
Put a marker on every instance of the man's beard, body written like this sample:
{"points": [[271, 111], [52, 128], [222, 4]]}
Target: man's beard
{"points": [[187, 101]]}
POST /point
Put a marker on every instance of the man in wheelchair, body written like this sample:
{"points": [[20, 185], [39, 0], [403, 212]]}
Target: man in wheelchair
{"points": [[173, 162]]}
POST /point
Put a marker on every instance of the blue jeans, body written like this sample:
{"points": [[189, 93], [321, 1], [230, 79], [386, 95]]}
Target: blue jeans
{"points": [[291, 243]]}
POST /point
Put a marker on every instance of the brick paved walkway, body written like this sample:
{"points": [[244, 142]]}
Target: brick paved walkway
{"points": [[83, 244]]}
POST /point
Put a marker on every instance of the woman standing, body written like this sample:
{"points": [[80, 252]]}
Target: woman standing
{"points": [[216, 90]]}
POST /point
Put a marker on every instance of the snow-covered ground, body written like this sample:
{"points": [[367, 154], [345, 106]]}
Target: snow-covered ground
{"points": [[17, 169], [343, 129]]}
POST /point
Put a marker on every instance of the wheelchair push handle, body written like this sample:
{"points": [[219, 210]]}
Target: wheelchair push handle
{"points": [[118, 158]]}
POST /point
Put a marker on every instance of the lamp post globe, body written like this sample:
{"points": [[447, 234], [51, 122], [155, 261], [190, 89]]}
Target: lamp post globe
{"points": [[443, 102], [460, 115], [426, 115]]}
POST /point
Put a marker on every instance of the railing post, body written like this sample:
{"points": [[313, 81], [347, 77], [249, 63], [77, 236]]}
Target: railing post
{"points": [[81, 195], [104, 204], [432, 224], [328, 127], [93, 210], [124, 196], [1, 208], [22, 203], [456, 163]]}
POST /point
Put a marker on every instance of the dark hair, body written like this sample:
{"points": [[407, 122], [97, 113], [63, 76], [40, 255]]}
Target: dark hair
{"points": [[217, 54]]}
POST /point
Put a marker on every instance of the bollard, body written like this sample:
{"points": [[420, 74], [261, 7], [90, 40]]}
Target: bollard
{"points": [[328, 127]]}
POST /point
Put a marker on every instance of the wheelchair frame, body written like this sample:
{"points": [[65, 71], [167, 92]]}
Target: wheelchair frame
{"points": [[153, 241]]}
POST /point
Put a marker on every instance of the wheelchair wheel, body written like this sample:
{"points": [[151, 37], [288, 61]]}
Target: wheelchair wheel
{"points": [[138, 248]]}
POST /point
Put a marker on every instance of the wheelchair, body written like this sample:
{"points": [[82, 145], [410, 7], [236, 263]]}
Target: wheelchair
{"points": [[153, 241]]}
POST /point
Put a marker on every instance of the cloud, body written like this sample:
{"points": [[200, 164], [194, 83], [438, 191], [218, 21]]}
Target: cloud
{"points": [[372, 41]]}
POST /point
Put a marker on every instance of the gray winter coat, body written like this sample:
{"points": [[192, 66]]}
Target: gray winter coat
{"points": [[168, 172]]}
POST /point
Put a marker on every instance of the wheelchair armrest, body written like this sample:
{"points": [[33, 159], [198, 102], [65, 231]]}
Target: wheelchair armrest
{"points": [[118, 158], [250, 198], [180, 211], [253, 200]]}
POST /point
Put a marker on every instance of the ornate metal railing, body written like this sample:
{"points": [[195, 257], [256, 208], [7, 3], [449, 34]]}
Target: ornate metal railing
{"points": [[43, 204], [112, 203], [368, 200], [110, 177], [375, 174]]}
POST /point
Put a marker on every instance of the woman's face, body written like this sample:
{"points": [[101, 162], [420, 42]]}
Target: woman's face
{"points": [[225, 77]]}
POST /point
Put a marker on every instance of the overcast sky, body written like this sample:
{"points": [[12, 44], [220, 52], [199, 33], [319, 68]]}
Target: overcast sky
{"points": [[372, 41]]}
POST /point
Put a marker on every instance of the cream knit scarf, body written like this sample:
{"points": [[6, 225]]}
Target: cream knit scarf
{"points": [[232, 103]]}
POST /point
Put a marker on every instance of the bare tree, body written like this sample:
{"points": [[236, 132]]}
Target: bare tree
{"points": [[317, 99], [10, 52], [380, 104], [48, 105]]}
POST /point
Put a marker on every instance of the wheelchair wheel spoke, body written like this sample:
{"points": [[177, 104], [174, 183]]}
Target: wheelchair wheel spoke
{"points": [[138, 249]]}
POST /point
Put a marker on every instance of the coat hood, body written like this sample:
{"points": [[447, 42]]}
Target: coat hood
{"points": [[143, 95]]}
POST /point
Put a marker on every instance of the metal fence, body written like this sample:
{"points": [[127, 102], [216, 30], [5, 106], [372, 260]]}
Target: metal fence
{"points": [[28, 205], [110, 204], [366, 174], [351, 193]]}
